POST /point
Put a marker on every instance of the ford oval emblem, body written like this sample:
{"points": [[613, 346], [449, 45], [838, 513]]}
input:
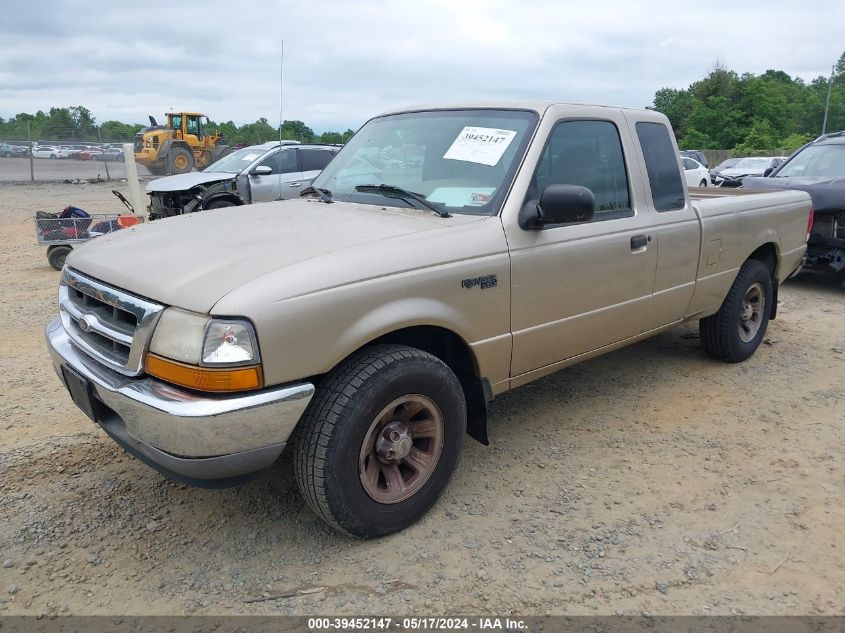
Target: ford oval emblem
{"points": [[87, 322]]}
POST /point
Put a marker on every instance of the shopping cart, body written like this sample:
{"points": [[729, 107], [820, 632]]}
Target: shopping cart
{"points": [[61, 231]]}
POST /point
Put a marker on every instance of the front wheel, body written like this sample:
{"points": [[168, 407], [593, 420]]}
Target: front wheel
{"points": [[380, 440], [703, 183], [734, 333], [180, 160]]}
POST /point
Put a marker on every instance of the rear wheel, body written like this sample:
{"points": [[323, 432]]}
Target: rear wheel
{"points": [[380, 440], [734, 333], [56, 255], [180, 160]]}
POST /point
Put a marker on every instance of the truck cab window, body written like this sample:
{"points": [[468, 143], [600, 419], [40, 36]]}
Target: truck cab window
{"points": [[661, 162], [282, 162], [589, 154]]}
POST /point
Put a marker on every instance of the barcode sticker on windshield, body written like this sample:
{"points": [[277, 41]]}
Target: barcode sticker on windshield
{"points": [[484, 145]]}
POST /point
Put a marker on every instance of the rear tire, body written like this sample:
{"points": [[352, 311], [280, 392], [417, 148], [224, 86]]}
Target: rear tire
{"points": [[380, 440], [56, 256], [734, 333]]}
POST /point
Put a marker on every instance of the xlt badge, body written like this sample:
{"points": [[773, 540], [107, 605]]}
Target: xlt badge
{"points": [[487, 281]]}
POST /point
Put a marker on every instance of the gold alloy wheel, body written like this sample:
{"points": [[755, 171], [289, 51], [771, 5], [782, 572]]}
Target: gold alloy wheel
{"points": [[180, 162], [401, 449], [751, 312]]}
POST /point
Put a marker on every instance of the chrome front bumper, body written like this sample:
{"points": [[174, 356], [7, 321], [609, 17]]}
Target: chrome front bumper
{"points": [[187, 436]]}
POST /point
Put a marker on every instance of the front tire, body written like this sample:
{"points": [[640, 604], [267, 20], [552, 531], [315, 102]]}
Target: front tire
{"points": [[703, 183], [734, 333], [219, 204], [180, 160], [380, 440]]}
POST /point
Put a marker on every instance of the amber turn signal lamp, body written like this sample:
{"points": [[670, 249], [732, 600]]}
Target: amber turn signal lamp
{"points": [[204, 378]]}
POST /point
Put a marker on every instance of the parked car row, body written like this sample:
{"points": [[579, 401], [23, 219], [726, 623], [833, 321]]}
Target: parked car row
{"points": [[13, 151], [110, 152]]}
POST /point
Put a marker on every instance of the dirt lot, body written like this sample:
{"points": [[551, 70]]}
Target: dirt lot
{"points": [[17, 169], [650, 480]]}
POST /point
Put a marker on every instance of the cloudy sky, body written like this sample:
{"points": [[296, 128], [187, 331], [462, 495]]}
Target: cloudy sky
{"points": [[347, 60]]}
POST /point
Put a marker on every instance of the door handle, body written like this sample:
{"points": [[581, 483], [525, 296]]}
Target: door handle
{"points": [[295, 184], [640, 241]]}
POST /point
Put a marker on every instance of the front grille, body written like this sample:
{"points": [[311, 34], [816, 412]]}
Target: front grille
{"points": [[109, 324]]}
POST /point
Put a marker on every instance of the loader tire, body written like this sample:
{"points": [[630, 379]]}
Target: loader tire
{"points": [[180, 160]]}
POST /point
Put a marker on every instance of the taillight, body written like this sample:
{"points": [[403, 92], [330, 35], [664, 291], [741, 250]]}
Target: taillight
{"points": [[810, 223]]}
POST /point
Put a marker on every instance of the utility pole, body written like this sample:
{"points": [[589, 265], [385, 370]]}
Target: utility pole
{"points": [[31, 165], [827, 102]]}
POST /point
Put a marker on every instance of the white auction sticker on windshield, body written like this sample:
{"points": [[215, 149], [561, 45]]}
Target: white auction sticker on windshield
{"points": [[484, 145]]}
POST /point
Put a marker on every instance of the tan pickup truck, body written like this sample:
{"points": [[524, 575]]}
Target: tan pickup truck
{"points": [[445, 256]]}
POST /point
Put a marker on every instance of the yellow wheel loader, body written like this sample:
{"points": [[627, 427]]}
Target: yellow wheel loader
{"points": [[178, 146]]}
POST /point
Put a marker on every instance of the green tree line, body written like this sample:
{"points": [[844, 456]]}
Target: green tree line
{"points": [[78, 123], [751, 113]]}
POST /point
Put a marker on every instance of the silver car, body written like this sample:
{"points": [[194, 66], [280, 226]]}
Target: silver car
{"points": [[259, 173]]}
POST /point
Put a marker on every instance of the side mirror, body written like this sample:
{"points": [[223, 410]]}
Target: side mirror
{"points": [[559, 204], [261, 170], [768, 172]]}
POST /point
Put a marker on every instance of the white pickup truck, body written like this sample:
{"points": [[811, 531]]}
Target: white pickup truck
{"points": [[445, 256]]}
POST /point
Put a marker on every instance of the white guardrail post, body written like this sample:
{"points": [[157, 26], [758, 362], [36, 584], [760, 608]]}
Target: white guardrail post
{"points": [[135, 195]]}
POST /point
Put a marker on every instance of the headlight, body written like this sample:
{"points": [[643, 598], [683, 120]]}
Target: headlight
{"points": [[197, 351]]}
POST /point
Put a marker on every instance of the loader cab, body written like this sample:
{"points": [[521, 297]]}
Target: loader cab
{"points": [[174, 121], [194, 125]]}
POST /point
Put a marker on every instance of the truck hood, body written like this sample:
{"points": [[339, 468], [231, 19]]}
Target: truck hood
{"points": [[183, 182], [828, 194], [191, 261]]}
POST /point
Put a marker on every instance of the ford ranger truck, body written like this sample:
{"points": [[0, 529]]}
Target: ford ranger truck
{"points": [[445, 256]]}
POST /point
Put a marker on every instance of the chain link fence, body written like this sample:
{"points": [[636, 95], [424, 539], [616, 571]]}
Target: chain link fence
{"points": [[63, 154]]}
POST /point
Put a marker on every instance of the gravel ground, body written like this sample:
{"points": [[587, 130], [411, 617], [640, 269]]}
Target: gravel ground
{"points": [[650, 480]]}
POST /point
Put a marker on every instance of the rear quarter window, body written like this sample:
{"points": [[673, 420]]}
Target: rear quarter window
{"points": [[664, 177], [315, 159]]}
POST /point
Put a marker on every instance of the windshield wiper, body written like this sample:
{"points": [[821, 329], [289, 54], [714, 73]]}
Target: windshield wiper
{"points": [[325, 194], [392, 191]]}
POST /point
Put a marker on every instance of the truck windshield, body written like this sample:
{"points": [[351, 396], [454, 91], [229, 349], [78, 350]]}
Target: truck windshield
{"points": [[816, 161], [237, 161], [461, 161]]}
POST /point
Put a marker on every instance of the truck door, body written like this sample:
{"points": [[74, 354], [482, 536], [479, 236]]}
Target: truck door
{"points": [[276, 186], [577, 288], [676, 226]]}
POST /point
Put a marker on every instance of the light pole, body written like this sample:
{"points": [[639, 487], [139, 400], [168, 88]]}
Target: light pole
{"points": [[827, 102]]}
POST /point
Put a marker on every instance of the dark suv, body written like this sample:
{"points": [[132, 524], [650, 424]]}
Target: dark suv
{"points": [[819, 169], [695, 155]]}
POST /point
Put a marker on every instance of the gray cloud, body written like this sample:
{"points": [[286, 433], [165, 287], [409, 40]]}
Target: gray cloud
{"points": [[345, 61]]}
